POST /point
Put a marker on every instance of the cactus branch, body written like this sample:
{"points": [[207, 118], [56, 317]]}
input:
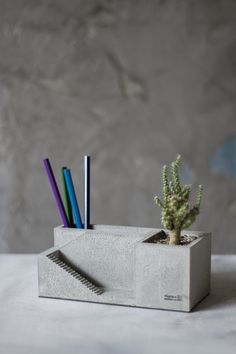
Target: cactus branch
{"points": [[158, 201], [199, 196], [166, 186], [175, 174]]}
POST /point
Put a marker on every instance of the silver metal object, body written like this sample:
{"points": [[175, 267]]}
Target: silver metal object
{"points": [[86, 192]]}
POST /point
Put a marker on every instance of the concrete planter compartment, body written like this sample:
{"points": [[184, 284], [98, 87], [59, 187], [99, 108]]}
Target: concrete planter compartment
{"points": [[120, 265]]}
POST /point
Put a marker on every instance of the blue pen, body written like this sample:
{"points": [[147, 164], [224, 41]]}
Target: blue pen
{"points": [[73, 200]]}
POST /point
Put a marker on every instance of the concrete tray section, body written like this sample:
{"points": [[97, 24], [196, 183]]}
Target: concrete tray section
{"points": [[119, 265]]}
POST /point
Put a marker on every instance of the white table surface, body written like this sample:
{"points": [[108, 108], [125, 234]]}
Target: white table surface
{"points": [[29, 324]]}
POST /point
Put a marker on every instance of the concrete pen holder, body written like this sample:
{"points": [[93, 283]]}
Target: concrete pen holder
{"points": [[121, 265]]}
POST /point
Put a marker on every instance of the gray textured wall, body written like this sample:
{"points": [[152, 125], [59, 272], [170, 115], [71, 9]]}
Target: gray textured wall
{"points": [[129, 82]]}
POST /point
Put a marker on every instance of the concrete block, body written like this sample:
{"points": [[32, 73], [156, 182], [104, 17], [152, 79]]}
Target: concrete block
{"points": [[119, 265], [173, 277]]}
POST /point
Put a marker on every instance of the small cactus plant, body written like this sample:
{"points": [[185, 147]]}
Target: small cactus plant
{"points": [[176, 211]]}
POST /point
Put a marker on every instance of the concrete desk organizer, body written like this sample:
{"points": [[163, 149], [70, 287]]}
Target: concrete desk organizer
{"points": [[121, 265], [134, 266]]}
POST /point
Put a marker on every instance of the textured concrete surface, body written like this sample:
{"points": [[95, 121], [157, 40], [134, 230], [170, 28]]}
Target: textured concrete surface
{"points": [[129, 82], [29, 324], [127, 268]]}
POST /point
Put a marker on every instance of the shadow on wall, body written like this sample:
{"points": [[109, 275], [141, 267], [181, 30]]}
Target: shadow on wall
{"points": [[224, 159]]}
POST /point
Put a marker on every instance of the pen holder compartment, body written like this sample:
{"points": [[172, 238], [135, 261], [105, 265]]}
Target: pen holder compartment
{"points": [[121, 265]]}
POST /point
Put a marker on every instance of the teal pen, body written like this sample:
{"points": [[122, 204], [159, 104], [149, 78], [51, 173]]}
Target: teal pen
{"points": [[73, 200]]}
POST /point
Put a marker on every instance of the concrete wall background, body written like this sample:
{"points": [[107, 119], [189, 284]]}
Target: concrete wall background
{"points": [[129, 82]]}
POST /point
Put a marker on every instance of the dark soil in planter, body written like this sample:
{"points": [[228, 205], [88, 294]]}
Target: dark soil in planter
{"points": [[163, 238]]}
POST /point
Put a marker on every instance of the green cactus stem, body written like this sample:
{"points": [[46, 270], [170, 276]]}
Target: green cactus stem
{"points": [[176, 212]]}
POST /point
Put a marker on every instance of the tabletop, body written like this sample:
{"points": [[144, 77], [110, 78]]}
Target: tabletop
{"points": [[29, 324]]}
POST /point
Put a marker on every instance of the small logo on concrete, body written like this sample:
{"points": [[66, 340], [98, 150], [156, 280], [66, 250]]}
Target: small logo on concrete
{"points": [[173, 297]]}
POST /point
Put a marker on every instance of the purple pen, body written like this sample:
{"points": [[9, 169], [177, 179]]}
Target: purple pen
{"points": [[56, 192]]}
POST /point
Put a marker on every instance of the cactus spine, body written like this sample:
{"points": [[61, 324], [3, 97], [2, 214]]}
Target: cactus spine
{"points": [[176, 212]]}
